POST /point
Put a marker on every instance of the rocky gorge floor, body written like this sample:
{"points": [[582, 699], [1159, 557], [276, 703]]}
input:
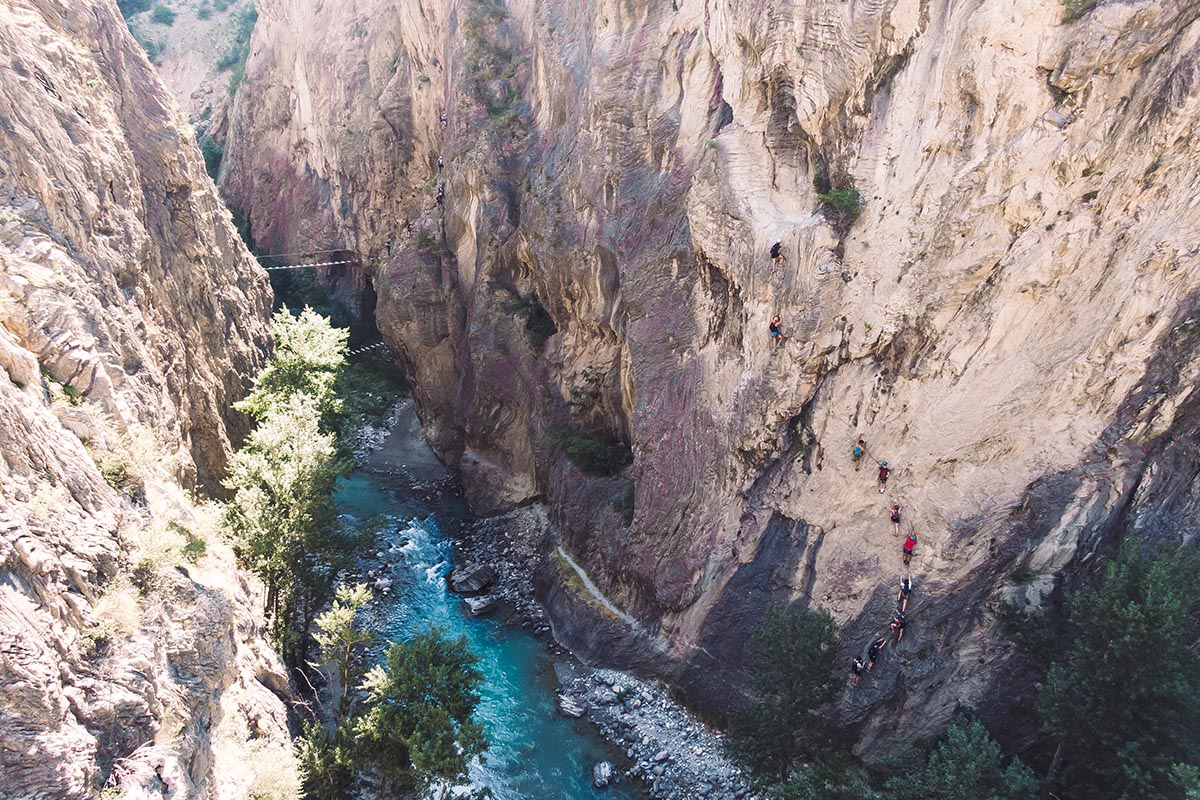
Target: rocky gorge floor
{"points": [[674, 754]]}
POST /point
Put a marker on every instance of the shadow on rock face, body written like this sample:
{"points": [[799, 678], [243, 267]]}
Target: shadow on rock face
{"points": [[713, 675]]}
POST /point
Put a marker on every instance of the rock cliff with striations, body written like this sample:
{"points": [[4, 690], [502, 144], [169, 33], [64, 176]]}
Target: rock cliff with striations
{"points": [[131, 317], [1010, 321]]}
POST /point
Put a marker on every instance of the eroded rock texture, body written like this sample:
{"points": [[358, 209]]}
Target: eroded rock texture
{"points": [[1010, 321], [131, 316]]}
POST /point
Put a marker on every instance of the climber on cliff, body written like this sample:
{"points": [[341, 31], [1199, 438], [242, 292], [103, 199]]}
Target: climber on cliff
{"points": [[910, 542], [905, 591], [898, 623], [884, 472], [874, 650], [777, 255], [860, 450], [856, 669], [776, 334], [895, 515]]}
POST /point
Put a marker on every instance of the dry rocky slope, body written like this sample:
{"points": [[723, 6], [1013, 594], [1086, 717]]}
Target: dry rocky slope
{"points": [[1010, 323], [131, 316]]}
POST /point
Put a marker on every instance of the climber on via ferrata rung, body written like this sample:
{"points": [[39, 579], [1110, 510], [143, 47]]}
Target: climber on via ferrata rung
{"points": [[874, 650], [898, 623], [856, 669], [777, 255], [905, 591], [776, 334], [860, 449], [910, 542], [895, 515], [884, 473]]}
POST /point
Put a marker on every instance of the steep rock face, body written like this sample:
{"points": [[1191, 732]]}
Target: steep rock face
{"points": [[130, 318], [1008, 323]]}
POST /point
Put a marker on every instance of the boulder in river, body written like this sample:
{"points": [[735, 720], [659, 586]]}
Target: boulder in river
{"points": [[478, 606], [471, 578], [571, 707], [601, 774]]}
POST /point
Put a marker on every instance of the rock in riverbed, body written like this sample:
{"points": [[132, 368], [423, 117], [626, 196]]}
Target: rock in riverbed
{"points": [[601, 774], [471, 578], [571, 707], [478, 606]]}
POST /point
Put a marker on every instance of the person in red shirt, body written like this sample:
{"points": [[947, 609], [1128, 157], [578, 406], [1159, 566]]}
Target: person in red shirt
{"points": [[910, 542]]}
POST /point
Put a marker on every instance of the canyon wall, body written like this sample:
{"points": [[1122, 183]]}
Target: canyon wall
{"points": [[131, 317], [566, 208]]}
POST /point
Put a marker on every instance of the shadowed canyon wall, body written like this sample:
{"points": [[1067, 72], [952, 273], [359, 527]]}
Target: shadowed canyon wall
{"points": [[131, 317], [1009, 322]]}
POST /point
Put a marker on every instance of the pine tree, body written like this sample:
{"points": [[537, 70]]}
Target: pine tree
{"points": [[419, 730], [343, 642], [1123, 702], [791, 667], [966, 765]]}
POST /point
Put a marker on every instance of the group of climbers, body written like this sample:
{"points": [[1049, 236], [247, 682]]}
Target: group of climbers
{"points": [[899, 616]]}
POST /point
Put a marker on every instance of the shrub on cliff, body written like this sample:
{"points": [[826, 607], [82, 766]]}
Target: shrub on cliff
{"points": [[845, 204], [790, 665], [1122, 700], [162, 15], [592, 452]]}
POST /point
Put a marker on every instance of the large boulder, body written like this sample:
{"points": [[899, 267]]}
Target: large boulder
{"points": [[472, 578]]}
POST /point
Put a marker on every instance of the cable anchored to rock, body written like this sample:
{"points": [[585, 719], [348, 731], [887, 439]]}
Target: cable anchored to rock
{"points": [[307, 266], [365, 349]]}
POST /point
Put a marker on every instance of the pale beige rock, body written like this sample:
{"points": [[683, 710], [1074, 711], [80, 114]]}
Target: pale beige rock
{"points": [[1010, 322], [131, 316]]}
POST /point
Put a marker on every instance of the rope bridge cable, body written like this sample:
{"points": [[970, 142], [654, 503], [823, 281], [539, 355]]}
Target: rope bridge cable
{"points": [[307, 266], [305, 253], [365, 349]]}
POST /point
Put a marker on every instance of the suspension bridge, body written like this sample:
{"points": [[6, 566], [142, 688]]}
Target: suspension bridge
{"points": [[314, 260], [310, 259]]}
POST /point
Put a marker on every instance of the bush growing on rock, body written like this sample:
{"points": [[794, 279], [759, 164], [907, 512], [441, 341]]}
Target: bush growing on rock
{"points": [[593, 453], [844, 203], [162, 15]]}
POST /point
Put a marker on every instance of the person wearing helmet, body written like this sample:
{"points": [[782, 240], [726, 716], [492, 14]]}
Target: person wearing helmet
{"points": [[860, 449], [856, 669], [895, 515], [905, 591], [884, 472], [874, 650], [910, 542]]}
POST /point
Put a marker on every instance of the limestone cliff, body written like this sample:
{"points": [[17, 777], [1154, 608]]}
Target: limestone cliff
{"points": [[131, 316], [1009, 321]]}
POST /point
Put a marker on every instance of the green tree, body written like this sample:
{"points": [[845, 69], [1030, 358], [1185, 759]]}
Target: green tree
{"points": [[342, 642], [1122, 704], [832, 777], [281, 517], [966, 765], [791, 667], [327, 759], [308, 360], [419, 730]]}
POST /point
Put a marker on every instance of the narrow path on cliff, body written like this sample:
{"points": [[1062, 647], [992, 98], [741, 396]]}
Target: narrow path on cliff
{"points": [[594, 591]]}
